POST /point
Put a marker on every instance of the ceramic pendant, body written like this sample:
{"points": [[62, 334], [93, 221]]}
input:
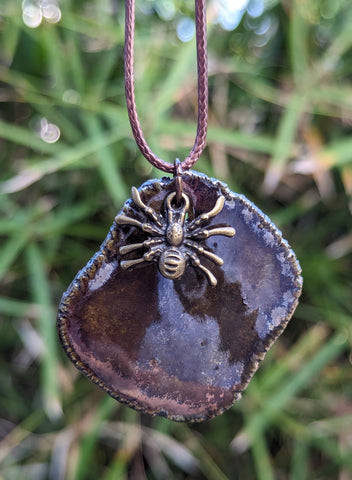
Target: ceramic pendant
{"points": [[174, 313]]}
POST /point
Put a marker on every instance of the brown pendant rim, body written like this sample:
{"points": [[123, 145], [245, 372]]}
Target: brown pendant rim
{"points": [[95, 262]]}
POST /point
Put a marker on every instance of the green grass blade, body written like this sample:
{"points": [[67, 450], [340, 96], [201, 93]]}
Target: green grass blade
{"points": [[313, 437], [107, 164], [296, 358], [18, 308], [279, 400], [84, 464], [11, 250], [40, 288], [24, 136], [299, 462], [298, 43], [337, 154], [184, 131], [64, 159], [261, 458], [285, 136], [210, 469]]}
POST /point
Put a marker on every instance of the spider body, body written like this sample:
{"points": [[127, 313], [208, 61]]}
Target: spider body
{"points": [[173, 241]]}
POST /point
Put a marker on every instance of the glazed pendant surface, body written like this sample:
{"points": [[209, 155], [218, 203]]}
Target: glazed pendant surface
{"points": [[175, 311]]}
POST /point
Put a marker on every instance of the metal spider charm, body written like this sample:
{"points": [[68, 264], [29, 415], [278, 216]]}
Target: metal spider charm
{"points": [[174, 239]]}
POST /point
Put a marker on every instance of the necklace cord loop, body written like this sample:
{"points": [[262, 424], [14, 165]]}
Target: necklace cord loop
{"points": [[202, 69]]}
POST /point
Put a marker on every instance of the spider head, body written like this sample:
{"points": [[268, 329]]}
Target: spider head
{"points": [[176, 215], [174, 234]]}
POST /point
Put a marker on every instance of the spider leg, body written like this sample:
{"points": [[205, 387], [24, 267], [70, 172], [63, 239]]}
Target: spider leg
{"points": [[203, 233], [147, 257], [219, 205], [135, 246], [126, 264], [203, 251], [146, 227], [152, 253], [148, 210], [196, 263]]}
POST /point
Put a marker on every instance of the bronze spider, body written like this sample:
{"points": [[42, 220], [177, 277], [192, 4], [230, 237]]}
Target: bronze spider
{"points": [[174, 239]]}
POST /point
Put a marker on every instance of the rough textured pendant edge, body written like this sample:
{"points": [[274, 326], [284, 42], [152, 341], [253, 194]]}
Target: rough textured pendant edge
{"points": [[95, 263]]}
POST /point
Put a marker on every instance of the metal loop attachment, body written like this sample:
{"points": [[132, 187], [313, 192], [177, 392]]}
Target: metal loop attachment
{"points": [[178, 181]]}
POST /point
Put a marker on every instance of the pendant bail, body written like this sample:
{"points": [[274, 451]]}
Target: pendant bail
{"points": [[178, 180]]}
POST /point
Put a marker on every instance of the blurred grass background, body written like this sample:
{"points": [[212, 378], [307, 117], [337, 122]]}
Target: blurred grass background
{"points": [[280, 133]]}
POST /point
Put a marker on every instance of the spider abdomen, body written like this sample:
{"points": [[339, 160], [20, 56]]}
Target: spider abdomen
{"points": [[172, 263]]}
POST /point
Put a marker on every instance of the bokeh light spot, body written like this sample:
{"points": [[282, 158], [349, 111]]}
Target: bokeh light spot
{"points": [[49, 132], [34, 11], [255, 8], [31, 14], [231, 13], [165, 9], [185, 29]]}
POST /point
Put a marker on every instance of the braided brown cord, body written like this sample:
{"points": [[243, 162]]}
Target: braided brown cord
{"points": [[202, 66]]}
